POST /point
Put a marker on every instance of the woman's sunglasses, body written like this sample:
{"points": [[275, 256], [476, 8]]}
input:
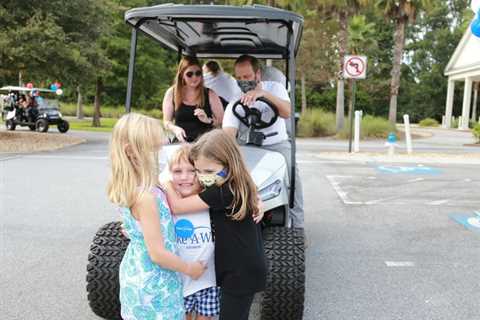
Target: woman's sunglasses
{"points": [[190, 74]]}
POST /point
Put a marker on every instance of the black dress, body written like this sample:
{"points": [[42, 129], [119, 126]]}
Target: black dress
{"points": [[185, 119], [240, 263]]}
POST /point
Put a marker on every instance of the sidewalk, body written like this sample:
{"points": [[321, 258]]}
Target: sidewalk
{"points": [[435, 145]]}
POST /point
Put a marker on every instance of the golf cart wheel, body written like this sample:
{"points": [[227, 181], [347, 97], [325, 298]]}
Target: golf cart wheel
{"points": [[10, 125], [106, 253], [63, 126], [32, 127], [42, 125], [284, 294]]}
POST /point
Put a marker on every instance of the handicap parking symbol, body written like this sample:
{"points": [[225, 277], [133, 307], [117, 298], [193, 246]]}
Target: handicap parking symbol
{"points": [[408, 170], [470, 222]]}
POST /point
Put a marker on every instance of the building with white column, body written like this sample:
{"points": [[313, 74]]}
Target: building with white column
{"points": [[464, 66]]}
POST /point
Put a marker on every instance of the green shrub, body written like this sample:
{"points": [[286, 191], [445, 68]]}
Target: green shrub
{"points": [[70, 109], [454, 123], [428, 122], [476, 132], [371, 127], [316, 123]]}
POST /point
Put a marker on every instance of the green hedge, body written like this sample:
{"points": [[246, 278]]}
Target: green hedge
{"points": [[428, 122], [316, 123], [70, 109], [371, 127]]}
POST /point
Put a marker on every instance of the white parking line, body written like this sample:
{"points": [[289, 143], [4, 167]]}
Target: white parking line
{"points": [[341, 193], [400, 263], [73, 157]]}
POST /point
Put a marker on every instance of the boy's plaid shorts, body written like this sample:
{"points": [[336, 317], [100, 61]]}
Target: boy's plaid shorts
{"points": [[205, 302]]}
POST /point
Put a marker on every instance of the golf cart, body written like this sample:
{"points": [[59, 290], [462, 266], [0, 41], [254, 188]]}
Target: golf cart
{"points": [[217, 31], [44, 111]]}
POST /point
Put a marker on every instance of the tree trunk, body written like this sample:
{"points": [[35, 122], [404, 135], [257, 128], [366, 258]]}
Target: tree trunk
{"points": [[399, 43], [20, 81], [79, 103], [304, 96], [96, 113], [342, 40]]}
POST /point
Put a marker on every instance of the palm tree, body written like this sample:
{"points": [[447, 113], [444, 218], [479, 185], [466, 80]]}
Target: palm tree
{"points": [[342, 10], [401, 12]]}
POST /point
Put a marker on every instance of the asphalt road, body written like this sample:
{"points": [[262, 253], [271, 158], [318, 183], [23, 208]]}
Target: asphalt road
{"points": [[383, 242]]}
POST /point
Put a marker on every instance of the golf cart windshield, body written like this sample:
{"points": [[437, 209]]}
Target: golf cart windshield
{"points": [[47, 104]]}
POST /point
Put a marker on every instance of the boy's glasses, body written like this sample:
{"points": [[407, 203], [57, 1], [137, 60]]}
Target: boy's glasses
{"points": [[190, 74]]}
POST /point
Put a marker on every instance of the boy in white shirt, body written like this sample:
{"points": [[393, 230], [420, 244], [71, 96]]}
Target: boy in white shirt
{"points": [[194, 241]]}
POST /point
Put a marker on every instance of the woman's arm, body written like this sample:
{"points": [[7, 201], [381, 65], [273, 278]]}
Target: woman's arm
{"points": [[217, 108], [179, 205], [145, 209], [168, 109]]}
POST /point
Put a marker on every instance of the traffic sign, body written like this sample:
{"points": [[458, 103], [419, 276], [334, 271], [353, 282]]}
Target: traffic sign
{"points": [[355, 67]]}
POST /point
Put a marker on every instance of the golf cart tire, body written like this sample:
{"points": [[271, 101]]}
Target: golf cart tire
{"points": [[41, 125], [106, 253], [284, 294], [10, 125], [63, 126]]}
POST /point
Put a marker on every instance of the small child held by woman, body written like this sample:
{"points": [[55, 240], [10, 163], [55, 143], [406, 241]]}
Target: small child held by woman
{"points": [[231, 197], [150, 284]]}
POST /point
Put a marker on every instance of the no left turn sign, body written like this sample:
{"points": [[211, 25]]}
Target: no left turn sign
{"points": [[355, 67]]}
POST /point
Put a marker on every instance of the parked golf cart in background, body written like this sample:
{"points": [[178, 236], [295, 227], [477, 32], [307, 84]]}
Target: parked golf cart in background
{"points": [[214, 31], [45, 113]]}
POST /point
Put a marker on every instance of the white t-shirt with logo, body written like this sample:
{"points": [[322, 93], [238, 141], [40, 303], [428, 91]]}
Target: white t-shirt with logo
{"points": [[231, 121], [195, 243]]}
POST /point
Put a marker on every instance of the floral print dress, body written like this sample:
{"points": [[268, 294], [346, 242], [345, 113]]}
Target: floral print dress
{"points": [[148, 291]]}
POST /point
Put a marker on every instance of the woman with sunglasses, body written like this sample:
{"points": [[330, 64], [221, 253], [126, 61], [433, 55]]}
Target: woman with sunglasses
{"points": [[190, 109]]}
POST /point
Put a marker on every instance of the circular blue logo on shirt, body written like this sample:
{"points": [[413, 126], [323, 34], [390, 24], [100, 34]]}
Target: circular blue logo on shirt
{"points": [[184, 228]]}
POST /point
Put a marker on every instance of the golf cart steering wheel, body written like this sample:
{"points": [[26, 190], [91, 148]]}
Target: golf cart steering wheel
{"points": [[253, 117]]}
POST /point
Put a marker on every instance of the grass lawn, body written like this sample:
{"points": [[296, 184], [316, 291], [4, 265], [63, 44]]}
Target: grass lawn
{"points": [[86, 124]]}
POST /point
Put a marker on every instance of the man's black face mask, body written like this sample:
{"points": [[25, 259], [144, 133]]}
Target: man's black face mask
{"points": [[247, 85]]}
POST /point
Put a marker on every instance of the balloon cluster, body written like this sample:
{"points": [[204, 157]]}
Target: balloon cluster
{"points": [[475, 26], [56, 88]]}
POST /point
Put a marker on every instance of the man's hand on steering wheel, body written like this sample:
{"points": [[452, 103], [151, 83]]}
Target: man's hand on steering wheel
{"points": [[251, 96]]}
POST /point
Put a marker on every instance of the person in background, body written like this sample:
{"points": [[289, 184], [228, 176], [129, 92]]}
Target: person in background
{"points": [[222, 83], [248, 74], [190, 109]]}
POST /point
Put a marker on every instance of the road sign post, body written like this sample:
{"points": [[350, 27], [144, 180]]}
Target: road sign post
{"points": [[355, 67]]}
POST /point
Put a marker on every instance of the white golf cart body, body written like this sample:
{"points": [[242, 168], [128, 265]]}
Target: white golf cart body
{"points": [[215, 31]]}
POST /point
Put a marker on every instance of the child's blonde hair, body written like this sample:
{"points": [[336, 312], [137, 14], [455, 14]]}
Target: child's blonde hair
{"points": [[181, 154], [218, 146], [136, 141]]}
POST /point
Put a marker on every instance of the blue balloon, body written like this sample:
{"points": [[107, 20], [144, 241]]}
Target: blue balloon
{"points": [[475, 26], [53, 87]]}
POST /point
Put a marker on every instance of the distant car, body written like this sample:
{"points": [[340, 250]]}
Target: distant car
{"points": [[45, 113]]}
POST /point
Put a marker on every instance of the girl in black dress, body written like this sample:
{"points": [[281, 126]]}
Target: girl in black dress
{"points": [[189, 109], [230, 194]]}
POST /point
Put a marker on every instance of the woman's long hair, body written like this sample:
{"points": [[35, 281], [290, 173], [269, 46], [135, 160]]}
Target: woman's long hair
{"points": [[134, 147], [218, 146], [178, 84]]}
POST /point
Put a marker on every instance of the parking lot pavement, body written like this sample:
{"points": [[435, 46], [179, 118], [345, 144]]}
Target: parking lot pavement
{"points": [[384, 241]]}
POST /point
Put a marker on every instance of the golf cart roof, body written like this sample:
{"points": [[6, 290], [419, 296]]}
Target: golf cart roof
{"points": [[15, 88], [220, 31]]}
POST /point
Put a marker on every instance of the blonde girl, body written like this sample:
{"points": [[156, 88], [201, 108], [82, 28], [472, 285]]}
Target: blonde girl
{"points": [[231, 196], [190, 109], [150, 286]]}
